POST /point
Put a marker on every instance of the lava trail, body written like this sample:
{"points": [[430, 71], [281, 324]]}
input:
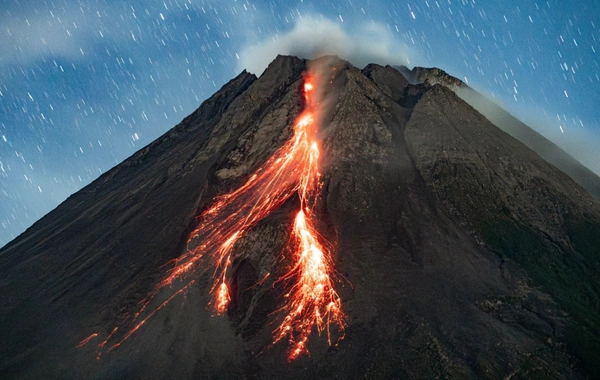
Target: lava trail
{"points": [[294, 168]]}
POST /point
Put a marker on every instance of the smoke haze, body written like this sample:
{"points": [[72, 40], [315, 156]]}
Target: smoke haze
{"points": [[313, 37], [581, 144]]}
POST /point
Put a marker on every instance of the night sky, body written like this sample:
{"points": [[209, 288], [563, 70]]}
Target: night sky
{"points": [[85, 84]]}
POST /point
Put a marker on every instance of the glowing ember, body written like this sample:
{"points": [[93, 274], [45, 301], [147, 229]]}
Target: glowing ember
{"points": [[87, 340], [312, 300], [223, 297]]}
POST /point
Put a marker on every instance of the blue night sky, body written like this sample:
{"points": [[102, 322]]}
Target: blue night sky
{"points": [[84, 84]]}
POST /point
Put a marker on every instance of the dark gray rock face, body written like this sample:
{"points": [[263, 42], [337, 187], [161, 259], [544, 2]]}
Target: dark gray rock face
{"points": [[464, 254], [509, 124]]}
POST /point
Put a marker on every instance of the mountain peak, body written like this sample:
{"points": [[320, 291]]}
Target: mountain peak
{"points": [[434, 75], [455, 250]]}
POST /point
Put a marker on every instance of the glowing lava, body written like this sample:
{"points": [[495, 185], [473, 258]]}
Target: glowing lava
{"points": [[312, 300]]}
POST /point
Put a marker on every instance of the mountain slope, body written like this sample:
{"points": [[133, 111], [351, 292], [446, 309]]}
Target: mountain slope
{"points": [[462, 252], [509, 124]]}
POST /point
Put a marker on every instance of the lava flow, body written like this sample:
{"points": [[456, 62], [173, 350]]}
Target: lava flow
{"points": [[312, 300]]}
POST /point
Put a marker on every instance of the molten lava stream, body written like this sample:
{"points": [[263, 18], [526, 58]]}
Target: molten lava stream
{"points": [[312, 300]]}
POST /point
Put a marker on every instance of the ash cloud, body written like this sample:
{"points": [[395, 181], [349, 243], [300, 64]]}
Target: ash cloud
{"points": [[313, 37]]}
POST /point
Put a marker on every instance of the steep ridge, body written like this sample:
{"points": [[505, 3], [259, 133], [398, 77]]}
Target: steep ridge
{"points": [[511, 200], [511, 125], [461, 252]]}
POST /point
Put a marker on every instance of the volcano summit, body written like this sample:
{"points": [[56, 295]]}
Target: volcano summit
{"points": [[320, 221]]}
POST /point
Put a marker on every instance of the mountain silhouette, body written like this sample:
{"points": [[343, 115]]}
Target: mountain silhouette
{"points": [[459, 251]]}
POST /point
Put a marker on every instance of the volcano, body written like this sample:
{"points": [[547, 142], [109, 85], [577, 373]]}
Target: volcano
{"points": [[383, 228]]}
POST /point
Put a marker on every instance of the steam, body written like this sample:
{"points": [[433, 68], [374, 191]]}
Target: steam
{"points": [[312, 37]]}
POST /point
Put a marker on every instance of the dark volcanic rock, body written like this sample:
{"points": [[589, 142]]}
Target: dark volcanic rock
{"points": [[431, 76], [509, 124], [466, 255]]}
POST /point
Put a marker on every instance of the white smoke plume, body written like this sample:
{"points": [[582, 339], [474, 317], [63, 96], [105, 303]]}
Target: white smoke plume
{"points": [[314, 37]]}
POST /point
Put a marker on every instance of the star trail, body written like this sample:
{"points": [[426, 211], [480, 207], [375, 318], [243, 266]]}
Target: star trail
{"points": [[85, 84]]}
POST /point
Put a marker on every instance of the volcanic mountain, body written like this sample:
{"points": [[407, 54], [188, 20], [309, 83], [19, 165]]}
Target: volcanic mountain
{"points": [[456, 251]]}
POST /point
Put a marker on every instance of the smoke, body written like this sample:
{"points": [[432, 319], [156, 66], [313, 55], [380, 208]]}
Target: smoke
{"points": [[322, 69], [578, 142], [314, 37]]}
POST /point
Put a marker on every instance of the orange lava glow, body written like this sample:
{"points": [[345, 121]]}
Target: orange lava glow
{"points": [[313, 300], [87, 340], [293, 169]]}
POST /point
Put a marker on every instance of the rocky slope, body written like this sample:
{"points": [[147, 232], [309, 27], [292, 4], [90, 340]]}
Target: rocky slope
{"points": [[511, 125], [464, 253]]}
